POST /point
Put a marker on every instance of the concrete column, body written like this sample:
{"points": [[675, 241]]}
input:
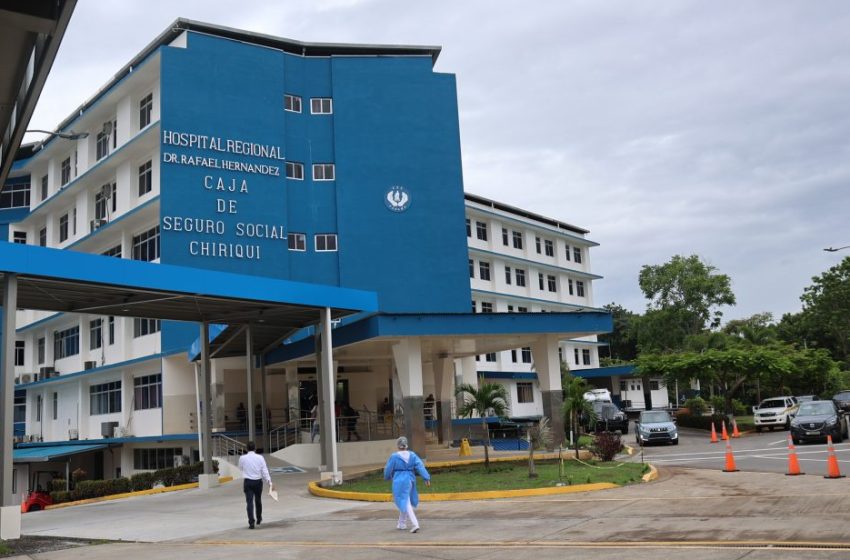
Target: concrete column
{"points": [[264, 422], [249, 373], [208, 479], [10, 513], [217, 377], [293, 394], [444, 377], [407, 355], [544, 351], [320, 398], [328, 374]]}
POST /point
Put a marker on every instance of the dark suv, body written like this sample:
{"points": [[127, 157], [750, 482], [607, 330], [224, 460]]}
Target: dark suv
{"points": [[842, 400], [816, 420], [609, 418]]}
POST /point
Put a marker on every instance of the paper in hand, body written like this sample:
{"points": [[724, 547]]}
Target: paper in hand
{"points": [[273, 494]]}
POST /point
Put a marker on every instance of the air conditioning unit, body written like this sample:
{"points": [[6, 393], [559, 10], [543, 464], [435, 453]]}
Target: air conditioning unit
{"points": [[73, 434], [94, 224], [120, 431], [46, 372], [107, 429], [25, 378], [91, 364]]}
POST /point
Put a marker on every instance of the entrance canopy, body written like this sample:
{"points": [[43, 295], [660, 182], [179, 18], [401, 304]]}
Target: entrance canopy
{"points": [[72, 282], [52, 453]]}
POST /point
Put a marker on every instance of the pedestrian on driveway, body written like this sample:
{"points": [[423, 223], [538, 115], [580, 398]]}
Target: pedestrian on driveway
{"points": [[254, 471], [402, 468]]}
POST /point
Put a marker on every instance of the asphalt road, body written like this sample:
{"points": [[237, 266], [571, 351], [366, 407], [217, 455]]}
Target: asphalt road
{"points": [[753, 452]]}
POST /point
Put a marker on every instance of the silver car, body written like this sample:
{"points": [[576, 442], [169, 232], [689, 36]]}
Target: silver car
{"points": [[656, 426]]}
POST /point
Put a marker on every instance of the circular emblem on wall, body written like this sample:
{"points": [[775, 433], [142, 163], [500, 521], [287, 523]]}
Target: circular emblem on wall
{"points": [[397, 199]]}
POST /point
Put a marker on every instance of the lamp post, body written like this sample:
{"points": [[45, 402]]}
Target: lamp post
{"points": [[834, 249], [70, 135]]}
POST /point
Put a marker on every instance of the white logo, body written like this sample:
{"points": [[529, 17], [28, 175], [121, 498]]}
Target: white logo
{"points": [[397, 199]]}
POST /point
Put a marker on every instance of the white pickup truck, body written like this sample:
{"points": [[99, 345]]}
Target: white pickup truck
{"points": [[776, 412]]}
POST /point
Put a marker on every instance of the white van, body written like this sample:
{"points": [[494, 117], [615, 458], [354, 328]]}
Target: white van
{"points": [[602, 395]]}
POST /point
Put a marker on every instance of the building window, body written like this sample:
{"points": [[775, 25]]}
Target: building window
{"points": [[486, 307], [540, 280], [295, 170], [74, 221], [577, 254], [471, 268], [55, 406], [147, 392], [144, 327], [575, 355], [473, 306], [585, 356], [491, 357], [526, 355], [505, 237], [321, 106], [42, 237], [579, 288], [519, 274], [291, 103], [102, 143], [481, 230], [20, 237], [570, 285], [537, 244], [568, 252], [66, 343], [517, 240], [468, 228], [20, 352], [95, 334], [297, 241], [145, 110], [63, 228], [484, 270], [521, 309], [549, 248], [325, 242], [623, 386], [44, 188], [153, 459], [65, 171], [113, 252], [42, 347], [551, 283], [111, 329], [146, 245], [524, 392], [508, 275], [323, 172], [510, 309], [15, 195], [145, 178], [38, 404], [513, 356], [101, 201], [654, 385], [105, 398]]}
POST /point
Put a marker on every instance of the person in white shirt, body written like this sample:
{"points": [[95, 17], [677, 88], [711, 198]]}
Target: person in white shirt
{"points": [[254, 471]]}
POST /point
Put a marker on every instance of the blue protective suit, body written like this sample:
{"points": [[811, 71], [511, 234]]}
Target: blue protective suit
{"points": [[403, 474]]}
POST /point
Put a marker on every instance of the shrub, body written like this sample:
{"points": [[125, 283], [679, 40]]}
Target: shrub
{"points": [[606, 445], [700, 422], [142, 481], [60, 496], [58, 484], [696, 406]]}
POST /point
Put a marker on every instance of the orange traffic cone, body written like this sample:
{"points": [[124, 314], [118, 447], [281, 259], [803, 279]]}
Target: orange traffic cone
{"points": [[793, 463], [730, 459], [735, 432], [831, 462], [713, 434], [725, 433]]}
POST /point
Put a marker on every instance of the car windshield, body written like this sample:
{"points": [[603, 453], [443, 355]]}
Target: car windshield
{"points": [[605, 411], [816, 408], [654, 417], [773, 403], [842, 396]]}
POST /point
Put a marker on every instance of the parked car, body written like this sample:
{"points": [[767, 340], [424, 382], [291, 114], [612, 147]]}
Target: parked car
{"points": [[598, 395], [842, 400], [609, 418], [776, 412], [656, 426], [818, 419]]}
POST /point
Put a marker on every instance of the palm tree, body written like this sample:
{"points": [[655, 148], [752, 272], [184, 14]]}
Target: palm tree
{"points": [[539, 436], [486, 399], [575, 405]]}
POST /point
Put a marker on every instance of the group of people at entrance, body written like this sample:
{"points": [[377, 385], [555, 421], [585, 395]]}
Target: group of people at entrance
{"points": [[402, 468], [347, 416]]}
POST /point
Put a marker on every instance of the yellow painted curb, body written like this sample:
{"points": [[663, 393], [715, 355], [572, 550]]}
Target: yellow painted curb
{"points": [[651, 475], [317, 490], [221, 480]]}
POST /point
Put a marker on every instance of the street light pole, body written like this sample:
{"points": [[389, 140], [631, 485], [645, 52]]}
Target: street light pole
{"points": [[70, 135], [834, 249]]}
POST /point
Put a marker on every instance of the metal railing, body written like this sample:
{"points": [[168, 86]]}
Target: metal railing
{"points": [[227, 448]]}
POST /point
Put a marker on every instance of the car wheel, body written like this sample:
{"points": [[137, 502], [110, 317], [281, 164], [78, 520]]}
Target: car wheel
{"points": [[675, 442], [625, 429], [795, 440], [770, 428], [839, 437], [34, 507], [787, 425], [758, 429]]}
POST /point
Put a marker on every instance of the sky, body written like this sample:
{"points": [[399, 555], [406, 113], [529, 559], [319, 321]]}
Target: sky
{"points": [[664, 127]]}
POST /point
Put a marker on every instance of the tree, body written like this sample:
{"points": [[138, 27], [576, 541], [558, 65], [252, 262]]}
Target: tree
{"points": [[539, 436], [575, 405], [486, 399], [622, 340], [826, 309]]}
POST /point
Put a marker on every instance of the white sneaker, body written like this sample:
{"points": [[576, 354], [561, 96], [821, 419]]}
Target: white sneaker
{"points": [[401, 527], [415, 529]]}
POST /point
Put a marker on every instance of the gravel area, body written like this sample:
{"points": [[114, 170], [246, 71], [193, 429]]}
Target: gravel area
{"points": [[28, 545]]}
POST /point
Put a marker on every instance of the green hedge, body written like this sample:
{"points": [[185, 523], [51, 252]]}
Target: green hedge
{"points": [[86, 489], [701, 422]]}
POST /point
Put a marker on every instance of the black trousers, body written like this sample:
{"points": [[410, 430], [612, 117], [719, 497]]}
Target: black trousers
{"points": [[253, 496]]}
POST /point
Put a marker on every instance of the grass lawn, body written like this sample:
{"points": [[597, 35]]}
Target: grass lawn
{"points": [[745, 422], [508, 476], [4, 549]]}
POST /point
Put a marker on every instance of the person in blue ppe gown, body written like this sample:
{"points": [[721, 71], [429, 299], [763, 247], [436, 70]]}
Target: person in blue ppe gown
{"points": [[402, 468]]}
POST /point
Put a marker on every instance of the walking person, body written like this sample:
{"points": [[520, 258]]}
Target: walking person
{"points": [[402, 468], [254, 471]]}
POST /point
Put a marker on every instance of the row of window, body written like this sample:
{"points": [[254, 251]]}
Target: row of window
{"points": [[545, 282], [581, 356], [515, 238], [321, 171], [318, 105], [67, 341], [155, 458], [322, 242], [487, 307], [105, 398]]}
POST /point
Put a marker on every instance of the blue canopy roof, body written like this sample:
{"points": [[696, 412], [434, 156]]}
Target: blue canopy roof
{"points": [[52, 452]]}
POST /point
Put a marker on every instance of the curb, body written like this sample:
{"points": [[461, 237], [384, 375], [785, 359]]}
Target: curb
{"points": [[651, 475], [150, 492]]}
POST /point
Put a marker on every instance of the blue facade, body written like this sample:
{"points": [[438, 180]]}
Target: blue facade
{"points": [[394, 123]]}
